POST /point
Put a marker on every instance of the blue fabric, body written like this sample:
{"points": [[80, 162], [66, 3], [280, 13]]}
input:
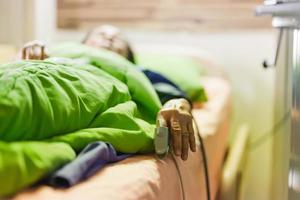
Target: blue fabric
{"points": [[91, 159], [165, 88]]}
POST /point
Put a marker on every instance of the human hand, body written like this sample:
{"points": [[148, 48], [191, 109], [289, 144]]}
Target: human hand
{"points": [[34, 50], [176, 115]]}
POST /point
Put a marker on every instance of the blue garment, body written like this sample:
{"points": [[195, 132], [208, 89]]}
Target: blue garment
{"points": [[165, 88], [91, 159]]}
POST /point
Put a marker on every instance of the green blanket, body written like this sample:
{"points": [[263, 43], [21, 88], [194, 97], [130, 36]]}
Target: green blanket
{"points": [[50, 110], [140, 88]]}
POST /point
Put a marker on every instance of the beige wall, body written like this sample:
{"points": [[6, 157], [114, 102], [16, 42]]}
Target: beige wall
{"points": [[192, 15], [11, 21], [24, 20]]}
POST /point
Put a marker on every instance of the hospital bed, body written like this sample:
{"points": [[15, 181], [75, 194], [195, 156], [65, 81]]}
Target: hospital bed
{"points": [[146, 176]]}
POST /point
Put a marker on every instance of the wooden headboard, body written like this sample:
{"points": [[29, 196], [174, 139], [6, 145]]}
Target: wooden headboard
{"points": [[191, 15]]}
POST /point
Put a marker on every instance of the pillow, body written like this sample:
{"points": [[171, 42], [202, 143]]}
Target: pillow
{"points": [[182, 70]]}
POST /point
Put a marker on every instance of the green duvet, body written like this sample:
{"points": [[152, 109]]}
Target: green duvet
{"points": [[50, 110]]}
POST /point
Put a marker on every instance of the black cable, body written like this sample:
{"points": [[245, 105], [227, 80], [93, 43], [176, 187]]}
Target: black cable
{"points": [[205, 164], [205, 168], [179, 175]]}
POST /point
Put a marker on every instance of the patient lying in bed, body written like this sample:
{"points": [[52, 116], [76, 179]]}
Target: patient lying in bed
{"points": [[176, 110], [50, 110]]}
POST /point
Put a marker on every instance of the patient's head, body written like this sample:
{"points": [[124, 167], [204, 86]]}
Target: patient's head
{"points": [[110, 38]]}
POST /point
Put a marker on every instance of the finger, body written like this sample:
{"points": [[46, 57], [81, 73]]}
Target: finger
{"points": [[176, 135], [24, 53], [37, 52], [31, 53], [192, 136], [43, 52], [185, 143]]}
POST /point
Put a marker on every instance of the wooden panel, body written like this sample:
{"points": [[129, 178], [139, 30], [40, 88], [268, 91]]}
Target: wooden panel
{"points": [[161, 14]]}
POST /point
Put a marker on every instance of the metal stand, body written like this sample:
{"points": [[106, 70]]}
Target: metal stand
{"points": [[286, 146]]}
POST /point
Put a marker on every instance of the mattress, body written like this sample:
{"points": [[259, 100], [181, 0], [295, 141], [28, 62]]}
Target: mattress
{"points": [[147, 177]]}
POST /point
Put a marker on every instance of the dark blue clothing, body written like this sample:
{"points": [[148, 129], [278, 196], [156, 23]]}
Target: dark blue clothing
{"points": [[165, 88], [91, 159]]}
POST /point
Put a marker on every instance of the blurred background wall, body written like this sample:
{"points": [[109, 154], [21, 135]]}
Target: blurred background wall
{"points": [[223, 30], [24, 20], [192, 15]]}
